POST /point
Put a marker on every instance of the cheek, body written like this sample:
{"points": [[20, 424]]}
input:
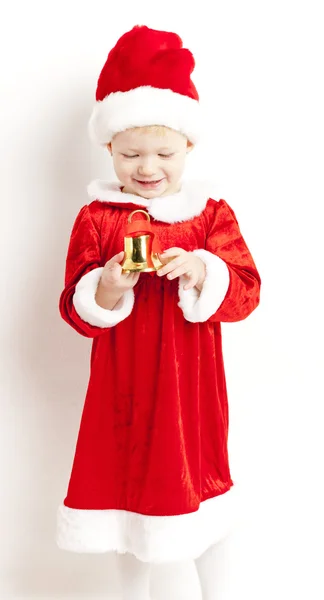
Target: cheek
{"points": [[123, 168], [173, 169]]}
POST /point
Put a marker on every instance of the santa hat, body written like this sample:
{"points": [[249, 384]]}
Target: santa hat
{"points": [[146, 81]]}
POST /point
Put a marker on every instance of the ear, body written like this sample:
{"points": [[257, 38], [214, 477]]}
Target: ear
{"points": [[190, 146], [109, 148]]}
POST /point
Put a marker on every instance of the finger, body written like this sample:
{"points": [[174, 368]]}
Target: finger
{"points": [[132, 277], [182, 270], [115, 272], [170, 266], [172, 252], [191, 283], [117, 258], [132, 274], [165, 259]]}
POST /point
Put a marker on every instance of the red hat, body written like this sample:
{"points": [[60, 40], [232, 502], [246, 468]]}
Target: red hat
{"points": [[146, 81]]}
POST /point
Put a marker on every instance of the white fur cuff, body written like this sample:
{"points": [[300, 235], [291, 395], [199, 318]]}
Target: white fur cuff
{"points": [[87, 308], [198, 307]]}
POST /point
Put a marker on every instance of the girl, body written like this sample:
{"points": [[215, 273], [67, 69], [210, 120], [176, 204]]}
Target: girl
{"points": [[150, 477]]}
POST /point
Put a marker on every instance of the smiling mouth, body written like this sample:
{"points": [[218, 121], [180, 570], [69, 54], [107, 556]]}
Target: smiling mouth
{"points": [[155, 181]]}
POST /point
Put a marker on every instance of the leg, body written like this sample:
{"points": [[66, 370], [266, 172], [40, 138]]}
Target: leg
{"points": [[134, 576], [211, 570]]}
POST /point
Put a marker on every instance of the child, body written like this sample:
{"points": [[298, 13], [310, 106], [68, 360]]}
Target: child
{"points": [[150, 478]]}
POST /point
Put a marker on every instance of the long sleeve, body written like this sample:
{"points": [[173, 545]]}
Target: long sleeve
{"points": [[231, 290], [83, 270]]}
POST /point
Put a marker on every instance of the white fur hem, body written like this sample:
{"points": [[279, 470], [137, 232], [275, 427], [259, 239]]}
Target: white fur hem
{"points": [[198, 307], [150, 538], [142, 106], [87, 308]]}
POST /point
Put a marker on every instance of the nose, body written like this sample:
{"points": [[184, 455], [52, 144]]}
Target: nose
{"points": [[147, 167]]}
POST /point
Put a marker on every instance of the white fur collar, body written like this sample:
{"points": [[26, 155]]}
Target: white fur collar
{"points": [[182, 206]]}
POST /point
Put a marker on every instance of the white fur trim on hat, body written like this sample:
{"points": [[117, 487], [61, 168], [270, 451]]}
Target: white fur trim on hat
{"points": [[145, 105], [87, 308], [154, 539], [198, 307]]}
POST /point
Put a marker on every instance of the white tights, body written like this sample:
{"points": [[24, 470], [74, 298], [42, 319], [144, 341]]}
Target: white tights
{"points": [[211, 569], [135, 575]]}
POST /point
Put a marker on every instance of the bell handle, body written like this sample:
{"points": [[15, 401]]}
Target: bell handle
{"points": [[138, 211]]}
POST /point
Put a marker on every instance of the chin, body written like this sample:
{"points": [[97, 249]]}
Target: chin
{"points": [[151, 194]]}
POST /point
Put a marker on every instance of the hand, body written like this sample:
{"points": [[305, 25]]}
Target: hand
{"points": [[185, 263], [113, 279]]}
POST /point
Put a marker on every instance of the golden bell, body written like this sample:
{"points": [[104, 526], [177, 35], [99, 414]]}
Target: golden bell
{"points": [[139, 254]]}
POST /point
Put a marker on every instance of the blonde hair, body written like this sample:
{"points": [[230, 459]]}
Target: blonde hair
{"points": [[158, 129]]}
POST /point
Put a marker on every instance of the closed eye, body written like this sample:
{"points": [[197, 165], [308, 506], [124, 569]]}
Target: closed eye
{"points": [[136, 155]]}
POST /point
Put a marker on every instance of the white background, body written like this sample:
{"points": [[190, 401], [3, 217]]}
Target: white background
{"points": [[260, 75]]}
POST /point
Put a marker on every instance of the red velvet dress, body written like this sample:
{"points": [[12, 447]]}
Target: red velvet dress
{"points": [[152, 444]]}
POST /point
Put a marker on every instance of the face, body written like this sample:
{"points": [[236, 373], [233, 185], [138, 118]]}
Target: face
{"points": [[149, 161]]}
